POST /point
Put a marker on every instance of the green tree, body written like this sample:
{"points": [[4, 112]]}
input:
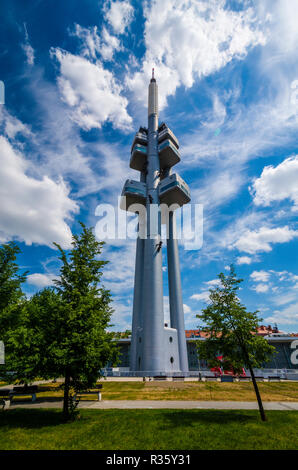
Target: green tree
{"points": [[63, 331], [31, 345], [232, 332], [11, 295], [86, 346]]}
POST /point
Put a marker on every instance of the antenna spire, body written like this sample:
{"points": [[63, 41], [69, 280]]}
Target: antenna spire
{"points": [[152, 78]]}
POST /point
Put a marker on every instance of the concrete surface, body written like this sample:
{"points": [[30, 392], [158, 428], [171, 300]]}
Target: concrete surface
{"points": [[163, 404]]}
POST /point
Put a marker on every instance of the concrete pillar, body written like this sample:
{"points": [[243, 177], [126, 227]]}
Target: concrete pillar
{"points": [[175, 291], [153, 341], [137, 315], [137, 304]]}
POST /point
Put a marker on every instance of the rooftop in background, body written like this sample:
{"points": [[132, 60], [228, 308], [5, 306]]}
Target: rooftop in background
{"points": [[192, 334], [267, 330], [262, 331]]}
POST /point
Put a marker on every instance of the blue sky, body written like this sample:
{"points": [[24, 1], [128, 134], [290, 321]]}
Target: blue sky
{"points": [[76, 76]]}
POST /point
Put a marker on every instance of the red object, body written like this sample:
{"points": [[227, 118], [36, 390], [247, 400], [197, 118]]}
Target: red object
{"points": [[218, 370]]}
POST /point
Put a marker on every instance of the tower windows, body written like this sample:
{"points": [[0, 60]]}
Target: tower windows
{"points": [[172, 360], [170, 339]]}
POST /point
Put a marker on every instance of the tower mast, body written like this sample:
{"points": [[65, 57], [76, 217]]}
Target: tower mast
{"points": [[156, 348], [153, 342]]}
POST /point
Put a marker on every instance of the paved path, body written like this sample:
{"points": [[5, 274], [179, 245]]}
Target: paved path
{"points": [[163, 404]]}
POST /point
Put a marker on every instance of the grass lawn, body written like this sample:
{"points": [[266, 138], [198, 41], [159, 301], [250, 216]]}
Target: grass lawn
{"points": [[148, 429], [274, 391]]}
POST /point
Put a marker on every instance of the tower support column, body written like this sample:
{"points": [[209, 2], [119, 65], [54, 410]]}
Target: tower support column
{"points": [[175, 292], [153, 346], [137, 316]]}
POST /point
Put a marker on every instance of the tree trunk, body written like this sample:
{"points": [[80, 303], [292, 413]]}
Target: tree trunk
{"points": [[259, 399], [66, 395], [262, 412]]}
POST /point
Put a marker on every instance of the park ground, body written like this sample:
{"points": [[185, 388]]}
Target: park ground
{"points": [[38, 429], [201, 391], [158, 429]]}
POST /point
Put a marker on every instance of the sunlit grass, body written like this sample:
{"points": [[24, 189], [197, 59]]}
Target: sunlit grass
{"points": [[198, 391], [274, 391], [148, 429]]}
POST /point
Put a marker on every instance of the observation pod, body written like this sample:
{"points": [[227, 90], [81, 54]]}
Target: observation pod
{"points": [[168, 154], [138, 157], [134, 192], [164, 133], [141, 137], [174, 190]]}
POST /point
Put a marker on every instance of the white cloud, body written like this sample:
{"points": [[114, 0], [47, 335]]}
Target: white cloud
{"points": [[91, 91], [114, 170], [285, 296], [252, 130], [188, 314], [32, 210], [262, 276], [12, 126], [91, 43], [287, 316], [166, 309], [41, 280], [261, 288], [29, 52], [58, 149], [119, 14], [94, 44], [186, 309], [244, 260], [186, 40], [262, 239], [221, 186], [283, 16], [27, 48], [110, 44], [121, 318], [119, 272], [283, 293], [202, 296], [277, 183], [213, 282], [189, 317]]}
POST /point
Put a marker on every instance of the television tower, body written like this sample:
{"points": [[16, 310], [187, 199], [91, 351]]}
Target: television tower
{"points": [[156, 347]]}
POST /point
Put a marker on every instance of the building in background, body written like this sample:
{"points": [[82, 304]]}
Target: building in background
{"points": [[280, 361]]}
